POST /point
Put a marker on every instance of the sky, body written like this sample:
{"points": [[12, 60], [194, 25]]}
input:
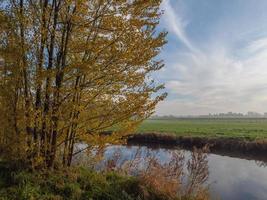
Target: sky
{"points": [[215, 58]]}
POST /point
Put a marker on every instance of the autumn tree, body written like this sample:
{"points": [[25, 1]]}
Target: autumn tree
{"points": [[70, 69]]}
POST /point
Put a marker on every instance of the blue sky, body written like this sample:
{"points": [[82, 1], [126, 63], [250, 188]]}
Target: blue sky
{"points": [[216, 56]]}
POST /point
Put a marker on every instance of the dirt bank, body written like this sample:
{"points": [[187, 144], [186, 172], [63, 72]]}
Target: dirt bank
{"points": [[235, 147]]}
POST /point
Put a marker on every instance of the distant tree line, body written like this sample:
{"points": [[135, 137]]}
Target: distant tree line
{"points": [[249, 114]]}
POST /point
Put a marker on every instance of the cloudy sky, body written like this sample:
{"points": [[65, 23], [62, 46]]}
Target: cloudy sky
{"points": [[216, 56]]}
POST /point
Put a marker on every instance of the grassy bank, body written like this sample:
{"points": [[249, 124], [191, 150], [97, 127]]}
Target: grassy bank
{"points": [[20, 183], [241, 128], [71, 184]]}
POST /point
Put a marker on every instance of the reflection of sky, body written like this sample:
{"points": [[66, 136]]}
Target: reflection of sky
{"points": [[230, 178], [128, 153], [237, 178]]}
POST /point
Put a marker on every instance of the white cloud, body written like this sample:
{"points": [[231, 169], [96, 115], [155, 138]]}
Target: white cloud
{"points": [[219, 83], [257, 45], [176, 25]]}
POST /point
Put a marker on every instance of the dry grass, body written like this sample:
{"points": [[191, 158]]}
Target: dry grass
{"points": [[170, 179]]}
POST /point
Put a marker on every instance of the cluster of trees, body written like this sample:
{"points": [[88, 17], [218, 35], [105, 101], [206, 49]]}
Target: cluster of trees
{"points": [[70, 69]]}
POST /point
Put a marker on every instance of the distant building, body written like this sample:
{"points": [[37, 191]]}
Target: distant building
{"points": [[253, 114]]}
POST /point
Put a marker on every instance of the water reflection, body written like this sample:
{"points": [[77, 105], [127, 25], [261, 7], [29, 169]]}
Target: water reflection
{"points": [[237, 179]]}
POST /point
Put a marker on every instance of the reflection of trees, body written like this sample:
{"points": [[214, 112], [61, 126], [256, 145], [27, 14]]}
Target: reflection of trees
{"points": [[167, 177], [197, 167], [261, 163]]}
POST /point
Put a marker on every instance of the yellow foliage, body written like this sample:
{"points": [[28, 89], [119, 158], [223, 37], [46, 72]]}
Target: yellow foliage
{"points": [[75, 68]]}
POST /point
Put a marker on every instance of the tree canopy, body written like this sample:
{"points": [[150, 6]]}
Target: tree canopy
{"points": [[70, 69]]}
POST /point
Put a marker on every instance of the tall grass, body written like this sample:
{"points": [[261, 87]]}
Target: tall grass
{"points": [[178, 178]]}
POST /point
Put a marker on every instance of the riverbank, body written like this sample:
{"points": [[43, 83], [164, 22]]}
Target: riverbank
{"points": [[71, 184], [235, 147], [17, 181]]}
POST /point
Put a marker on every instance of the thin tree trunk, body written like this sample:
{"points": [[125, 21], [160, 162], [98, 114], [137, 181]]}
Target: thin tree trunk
{"points": [[24, 73], [45, 137]]}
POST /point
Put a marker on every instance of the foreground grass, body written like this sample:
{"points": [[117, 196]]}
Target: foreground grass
{"points": [[71, 184], [19, 183], [241, 128]]}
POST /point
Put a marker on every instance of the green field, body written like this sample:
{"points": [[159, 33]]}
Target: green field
{"points": [[248, 128]]}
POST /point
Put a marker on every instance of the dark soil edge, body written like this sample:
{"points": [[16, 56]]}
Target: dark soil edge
{"points": [[233, 147]]}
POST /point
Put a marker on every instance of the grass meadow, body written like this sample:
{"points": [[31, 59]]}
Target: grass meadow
{"points": [[242, 128]]}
